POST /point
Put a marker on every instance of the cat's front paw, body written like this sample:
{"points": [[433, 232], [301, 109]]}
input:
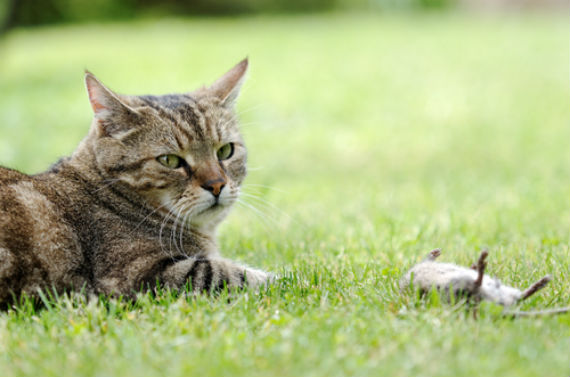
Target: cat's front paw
{"points": [[255, 278]]}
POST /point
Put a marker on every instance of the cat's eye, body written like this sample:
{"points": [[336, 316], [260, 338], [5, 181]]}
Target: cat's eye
{"points": [[226, 151], [171, 161]]}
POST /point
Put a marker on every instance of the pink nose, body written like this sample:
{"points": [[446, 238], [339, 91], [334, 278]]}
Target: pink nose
{"points": [[215, 186]]}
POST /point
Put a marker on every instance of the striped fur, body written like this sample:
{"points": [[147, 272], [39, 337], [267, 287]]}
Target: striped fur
{"points": [[111, 219]]}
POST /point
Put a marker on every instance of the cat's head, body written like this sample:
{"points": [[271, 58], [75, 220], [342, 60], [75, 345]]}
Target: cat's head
{"points": [[183, 153]]}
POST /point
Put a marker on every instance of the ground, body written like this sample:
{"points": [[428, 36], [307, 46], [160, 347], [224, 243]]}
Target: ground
{"points": [[373, 139]]}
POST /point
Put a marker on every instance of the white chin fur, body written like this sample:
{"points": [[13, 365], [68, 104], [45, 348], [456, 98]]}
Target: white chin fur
{"points": [[210, 217]]}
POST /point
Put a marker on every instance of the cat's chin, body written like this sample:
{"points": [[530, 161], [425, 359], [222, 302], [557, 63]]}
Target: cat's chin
{"points": [[210, 217]]}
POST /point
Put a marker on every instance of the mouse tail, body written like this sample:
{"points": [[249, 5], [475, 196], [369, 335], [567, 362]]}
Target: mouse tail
{"points": [[536, 313]]}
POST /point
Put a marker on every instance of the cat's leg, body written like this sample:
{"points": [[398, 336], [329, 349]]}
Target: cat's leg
{"points": [[204, 275], [10, 275]]}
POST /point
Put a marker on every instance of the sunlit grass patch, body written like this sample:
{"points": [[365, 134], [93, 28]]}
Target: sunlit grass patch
{"points": [[372, 140]]}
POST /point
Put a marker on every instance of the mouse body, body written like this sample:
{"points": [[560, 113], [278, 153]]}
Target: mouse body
{"points": [[458, 281]]}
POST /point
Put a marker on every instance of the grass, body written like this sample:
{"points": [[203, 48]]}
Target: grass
{"points": [[373, 139]]}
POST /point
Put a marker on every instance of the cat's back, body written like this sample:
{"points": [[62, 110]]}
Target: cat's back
{"points": [[36, 244], [20, 192], [12, 183]]}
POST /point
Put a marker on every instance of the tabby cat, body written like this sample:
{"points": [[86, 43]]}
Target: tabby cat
{"points": [[138, 202]]}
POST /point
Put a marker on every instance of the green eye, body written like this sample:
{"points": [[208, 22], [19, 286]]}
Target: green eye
{"points": [[171, 161], [226, 151]]}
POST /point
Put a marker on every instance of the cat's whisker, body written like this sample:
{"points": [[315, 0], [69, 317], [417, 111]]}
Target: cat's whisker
{"points": [[267, 204], [189, 210], [184, 229], [257, 168], [164, 222], [257, 197], [247, 124], [109, 182], [249, 109], [260, 186], [184, 212], [262, 216], [236, 119], [173, 231], [233, 119], [259, 216], [147, 216], [162, 225]]}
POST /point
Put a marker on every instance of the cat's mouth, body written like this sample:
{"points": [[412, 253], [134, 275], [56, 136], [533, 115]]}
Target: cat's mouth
{"points": [[210, 213], [216, 205]]}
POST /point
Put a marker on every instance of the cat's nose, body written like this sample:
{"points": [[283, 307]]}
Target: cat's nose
{"points": [[215, 186]]}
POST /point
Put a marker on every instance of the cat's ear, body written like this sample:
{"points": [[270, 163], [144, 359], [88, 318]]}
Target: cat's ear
{"points": [[227, 87], [104, 102]]}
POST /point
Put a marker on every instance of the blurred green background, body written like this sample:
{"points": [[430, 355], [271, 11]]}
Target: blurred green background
{"points": [[33, 12], [377, 131]]}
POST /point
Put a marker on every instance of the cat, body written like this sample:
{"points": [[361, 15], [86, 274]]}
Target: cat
{"points": [[137, 203]]}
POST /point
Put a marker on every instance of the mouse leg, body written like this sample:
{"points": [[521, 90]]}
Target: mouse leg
{"points": [[481, 265], [480, 268], [433, 254]]}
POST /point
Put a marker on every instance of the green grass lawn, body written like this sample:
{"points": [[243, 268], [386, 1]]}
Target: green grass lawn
{"points": [[372, 140]]}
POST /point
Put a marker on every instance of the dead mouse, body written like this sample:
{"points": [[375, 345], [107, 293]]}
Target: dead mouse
{"points": [[470, 283]]}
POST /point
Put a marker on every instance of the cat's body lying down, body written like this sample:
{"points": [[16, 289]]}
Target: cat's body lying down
{"points": [[136, 204]]}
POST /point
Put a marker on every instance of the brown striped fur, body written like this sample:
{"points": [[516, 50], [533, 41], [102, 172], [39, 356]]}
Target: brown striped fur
{"points": [[111, 219]]}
